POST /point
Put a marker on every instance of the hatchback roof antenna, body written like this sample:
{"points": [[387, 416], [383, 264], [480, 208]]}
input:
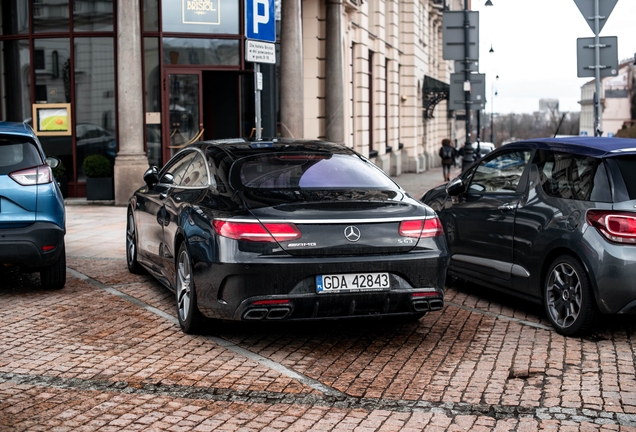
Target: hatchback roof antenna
{"points": [[559, 126]]}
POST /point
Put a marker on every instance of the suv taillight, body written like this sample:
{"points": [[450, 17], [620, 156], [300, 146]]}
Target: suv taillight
{"points": [[421, 228], [619, 227], [33, 176], [257, 232]]}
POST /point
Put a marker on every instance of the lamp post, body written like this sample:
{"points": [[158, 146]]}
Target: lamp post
{"points": [[468, 148], [493, 93]]}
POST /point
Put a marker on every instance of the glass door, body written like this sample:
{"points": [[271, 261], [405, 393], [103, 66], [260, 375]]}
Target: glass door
{"points": [[184, 111]]}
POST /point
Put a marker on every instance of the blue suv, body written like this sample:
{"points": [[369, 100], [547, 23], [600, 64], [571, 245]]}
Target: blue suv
{"points": [[32, 217]]}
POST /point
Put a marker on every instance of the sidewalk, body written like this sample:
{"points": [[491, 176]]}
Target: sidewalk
{"points": [[418, 183]]}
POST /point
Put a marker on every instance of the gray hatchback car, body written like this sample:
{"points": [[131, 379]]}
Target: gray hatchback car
{"points": [[549, 220]]}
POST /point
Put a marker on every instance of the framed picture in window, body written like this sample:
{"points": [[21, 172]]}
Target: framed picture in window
{"points": [[52, 119]]}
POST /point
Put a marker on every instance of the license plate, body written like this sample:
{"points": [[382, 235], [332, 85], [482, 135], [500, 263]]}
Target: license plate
{"points": [[352, 282]]}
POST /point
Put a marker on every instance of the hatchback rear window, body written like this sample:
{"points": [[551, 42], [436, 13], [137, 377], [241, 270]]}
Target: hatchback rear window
{"points": [[627, 167], [16, 154], [308, 171]]}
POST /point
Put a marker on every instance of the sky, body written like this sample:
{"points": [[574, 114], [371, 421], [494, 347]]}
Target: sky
{"points": [[534, 43]]}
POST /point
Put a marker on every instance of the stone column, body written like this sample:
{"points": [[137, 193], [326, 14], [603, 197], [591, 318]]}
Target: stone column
{"points": [[291, 70], [334, 73], [131, 161]]}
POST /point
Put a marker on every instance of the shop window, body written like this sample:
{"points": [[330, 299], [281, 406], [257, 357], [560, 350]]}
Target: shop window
{"points": [[14, 17], [50, 16], [217, 52], [152, 82], [203, 16], [95, 127], [16, 91], [93, 15], [151, 15], [52, 64]]}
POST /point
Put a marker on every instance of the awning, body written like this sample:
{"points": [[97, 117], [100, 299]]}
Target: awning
{"points": [[433, 92]]}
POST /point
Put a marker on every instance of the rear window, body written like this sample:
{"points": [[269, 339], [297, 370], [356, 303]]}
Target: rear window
{"points": [[308, 171], [627, 167], [571, 176], [16, 154]]}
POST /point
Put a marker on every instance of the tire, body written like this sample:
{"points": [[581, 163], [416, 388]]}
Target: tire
{"points": [[568, 299], [190, 319], [131, 246], [54, 276]]}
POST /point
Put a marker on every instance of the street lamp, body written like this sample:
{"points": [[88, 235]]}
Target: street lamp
{"points": [[488, 3], [493, 92]]}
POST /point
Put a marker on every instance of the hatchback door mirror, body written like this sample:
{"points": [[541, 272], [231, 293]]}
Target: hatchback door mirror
{"points": [[151, 176], [455, 186]]}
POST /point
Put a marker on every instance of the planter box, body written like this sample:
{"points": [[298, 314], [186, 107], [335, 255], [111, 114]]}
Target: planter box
{"points": [[99, 188]]}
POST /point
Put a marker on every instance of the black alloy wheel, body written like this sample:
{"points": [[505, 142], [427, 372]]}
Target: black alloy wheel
{"points": [[190, 319], [131, 246], [568, 298]]}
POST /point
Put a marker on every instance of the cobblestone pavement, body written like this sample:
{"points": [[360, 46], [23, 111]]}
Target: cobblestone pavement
{"points": [[106, 353]]}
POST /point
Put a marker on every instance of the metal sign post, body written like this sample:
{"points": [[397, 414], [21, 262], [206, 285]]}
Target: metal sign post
{"points": [[595, 13], [460, 32], [260, 31]]}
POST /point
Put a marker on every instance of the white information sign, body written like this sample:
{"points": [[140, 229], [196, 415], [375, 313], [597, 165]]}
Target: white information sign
{"points": [[260, 52]]}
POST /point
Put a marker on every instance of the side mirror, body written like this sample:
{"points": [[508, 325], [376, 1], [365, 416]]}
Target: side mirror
{"points": [[53, 162], [151, 176], [455, 187]]}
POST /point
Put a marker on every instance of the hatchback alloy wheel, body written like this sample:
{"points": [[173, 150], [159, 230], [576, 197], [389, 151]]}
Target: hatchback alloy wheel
{"points": [[568, 300]]}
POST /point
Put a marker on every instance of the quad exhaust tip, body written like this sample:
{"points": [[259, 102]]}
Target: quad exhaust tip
{"points": [[277, 313], [427, 305]]}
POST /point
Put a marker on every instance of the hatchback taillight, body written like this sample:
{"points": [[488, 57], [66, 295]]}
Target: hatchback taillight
{"points": [[421, 228], [33, 176], [619, 227], [257, 232]]}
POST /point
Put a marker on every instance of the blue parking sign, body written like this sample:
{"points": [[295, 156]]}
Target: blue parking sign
{"points": [[260, 20]]}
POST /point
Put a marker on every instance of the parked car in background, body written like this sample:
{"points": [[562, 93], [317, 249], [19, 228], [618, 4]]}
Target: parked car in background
{"points": [[483, 148], [548, 220], [32, 216], [284, 230]]}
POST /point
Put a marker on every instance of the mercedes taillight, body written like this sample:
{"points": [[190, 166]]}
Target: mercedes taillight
{"points": [[257, 232]]}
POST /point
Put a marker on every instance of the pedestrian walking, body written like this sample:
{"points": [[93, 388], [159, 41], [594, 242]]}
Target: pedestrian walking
{"points": [[447, 153]]}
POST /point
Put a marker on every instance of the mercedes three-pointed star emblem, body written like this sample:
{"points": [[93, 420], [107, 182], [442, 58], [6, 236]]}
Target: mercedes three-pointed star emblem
{"points": [[352, 233]]}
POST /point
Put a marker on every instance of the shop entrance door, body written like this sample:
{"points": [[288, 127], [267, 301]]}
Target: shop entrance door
{"points": [[184, 111]]}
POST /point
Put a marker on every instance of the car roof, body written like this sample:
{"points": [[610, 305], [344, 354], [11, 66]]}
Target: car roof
{"points": [[17, 128], [239, 147], [588, 146]]}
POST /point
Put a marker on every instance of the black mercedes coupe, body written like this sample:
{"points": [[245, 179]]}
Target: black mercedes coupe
{"points": [[284, 230]]}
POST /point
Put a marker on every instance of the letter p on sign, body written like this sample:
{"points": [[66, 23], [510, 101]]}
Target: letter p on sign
{"points": [[260, 21]]}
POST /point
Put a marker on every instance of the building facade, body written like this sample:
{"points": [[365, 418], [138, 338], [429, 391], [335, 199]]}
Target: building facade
{"points": [[136, 81], [617, 100]]}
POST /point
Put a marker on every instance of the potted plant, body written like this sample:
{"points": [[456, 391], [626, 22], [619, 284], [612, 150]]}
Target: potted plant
{"points": [[59, 172], [99, 177]]}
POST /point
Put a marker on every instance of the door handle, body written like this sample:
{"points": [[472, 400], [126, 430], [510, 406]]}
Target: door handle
{"points": [[506, 207]]}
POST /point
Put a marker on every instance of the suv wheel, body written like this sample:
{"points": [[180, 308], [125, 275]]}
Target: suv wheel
{"points": [[54, 276], [568, 299]]}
